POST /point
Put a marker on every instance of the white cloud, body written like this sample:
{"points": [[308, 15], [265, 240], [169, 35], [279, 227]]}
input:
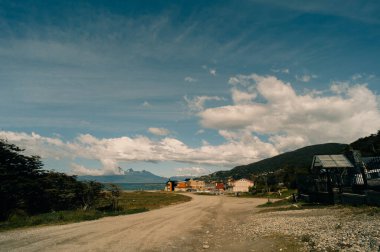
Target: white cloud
{"points": [[305, 77], [288, 142], [292, 119], [201, 131], [284, 70], [240, 97], [357, 76], [190, 79], [82, 170], [197, 103], [371, 76], [340, 87], [33, 143], [159, 131], [287, 119], [244, 148], [146, 104], [212, 72], [191, 171], [243, 80]]}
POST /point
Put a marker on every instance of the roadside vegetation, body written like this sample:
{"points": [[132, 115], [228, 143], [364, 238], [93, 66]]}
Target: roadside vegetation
{"points": [[284, 205], [288, 204], [283, 193], [30, 195], [128, 203]]}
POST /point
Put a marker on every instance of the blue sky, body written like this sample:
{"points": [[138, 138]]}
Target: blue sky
{"points": [[185, 87]]}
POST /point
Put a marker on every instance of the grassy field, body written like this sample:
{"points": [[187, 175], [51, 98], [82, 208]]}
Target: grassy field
{"points": [[129, 203], [151, 200]]}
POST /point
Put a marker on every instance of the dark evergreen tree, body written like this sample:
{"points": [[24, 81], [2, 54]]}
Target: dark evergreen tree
{"points": [[25, 186], [19, 180]]}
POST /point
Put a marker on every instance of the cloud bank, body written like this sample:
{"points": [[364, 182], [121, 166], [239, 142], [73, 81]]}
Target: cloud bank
{"points": [[268, 106], [111, 151], [266, 117], [191, 171]]}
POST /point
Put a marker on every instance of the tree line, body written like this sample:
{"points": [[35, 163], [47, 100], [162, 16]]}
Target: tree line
{"points": [[26, 186]]}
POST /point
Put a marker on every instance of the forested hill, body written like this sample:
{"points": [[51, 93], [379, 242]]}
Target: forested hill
{"points": [[368, 146], [298, 160]]}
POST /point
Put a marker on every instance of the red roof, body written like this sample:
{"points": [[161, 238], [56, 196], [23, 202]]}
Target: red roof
{"points": [[219, 186]]}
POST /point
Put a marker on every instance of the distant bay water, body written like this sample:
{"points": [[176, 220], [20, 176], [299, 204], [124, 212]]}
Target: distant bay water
{"points": [[141, 186]]}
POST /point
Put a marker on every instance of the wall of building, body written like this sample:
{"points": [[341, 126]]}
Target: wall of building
{"points": [[242, 185]]}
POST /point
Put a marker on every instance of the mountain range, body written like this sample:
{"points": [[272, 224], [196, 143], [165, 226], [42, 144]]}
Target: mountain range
{"points": [[129, 176]]}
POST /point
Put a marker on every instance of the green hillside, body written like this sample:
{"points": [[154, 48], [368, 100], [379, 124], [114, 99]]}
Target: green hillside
{"points": [[298, 160], [368, 146]]}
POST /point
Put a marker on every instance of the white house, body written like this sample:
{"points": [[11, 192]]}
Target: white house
{"points": [[242, 185]]}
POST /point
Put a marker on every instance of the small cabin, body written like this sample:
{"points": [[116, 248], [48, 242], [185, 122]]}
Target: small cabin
{"points": [[242, 185]]}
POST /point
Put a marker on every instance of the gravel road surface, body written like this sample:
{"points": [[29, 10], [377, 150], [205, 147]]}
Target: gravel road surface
{"points": [[196, 225], [210, 223]]}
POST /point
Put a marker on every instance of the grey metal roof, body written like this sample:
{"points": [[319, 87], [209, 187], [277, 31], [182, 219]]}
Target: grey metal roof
{"points": [[332, 161]]}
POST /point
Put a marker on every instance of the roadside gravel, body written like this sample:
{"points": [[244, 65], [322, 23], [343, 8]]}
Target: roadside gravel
{"points": [[321, 229]]}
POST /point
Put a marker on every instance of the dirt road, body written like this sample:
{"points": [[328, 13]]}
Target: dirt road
{"points": [[201, 224]]}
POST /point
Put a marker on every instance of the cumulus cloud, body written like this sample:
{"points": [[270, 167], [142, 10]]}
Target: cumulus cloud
{"points": [[197, 103], [340, 87], [146, 104], [109, 152], [294, 120], [283, 70], [159, 131], [82, 170], [52, 147], [191, 171], [201, 131], [241, 97], [265, 106], [190, 79], [212, 72], [288, 142], [305, 77], [357, 76]]}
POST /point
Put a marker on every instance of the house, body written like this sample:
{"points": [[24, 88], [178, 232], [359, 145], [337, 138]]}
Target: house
{"points": [[219, 186], [181, 186], [170, 185], [195, 185], [186, 185], [241, 185]]}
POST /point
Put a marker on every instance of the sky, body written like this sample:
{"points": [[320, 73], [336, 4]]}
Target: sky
{"points": [[185, 87]]}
